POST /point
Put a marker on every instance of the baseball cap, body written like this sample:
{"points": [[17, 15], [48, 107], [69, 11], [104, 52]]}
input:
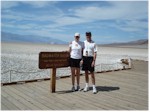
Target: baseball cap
{"points": [[88, 33], [77, 34]]}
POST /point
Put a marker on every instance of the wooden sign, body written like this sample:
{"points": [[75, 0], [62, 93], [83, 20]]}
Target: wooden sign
{"points": [[53, 59]]}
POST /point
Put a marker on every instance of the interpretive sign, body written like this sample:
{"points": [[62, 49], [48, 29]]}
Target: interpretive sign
{"points": [[53, 59]]}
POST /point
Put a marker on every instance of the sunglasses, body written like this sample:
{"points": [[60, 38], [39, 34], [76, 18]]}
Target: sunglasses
{"points": [[77, 36], [88, 35]]}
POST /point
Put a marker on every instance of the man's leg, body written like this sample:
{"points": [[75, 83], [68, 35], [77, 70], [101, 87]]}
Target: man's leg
{"points": [[93, 82], [86, 76], [87, 81], [93, 78]]}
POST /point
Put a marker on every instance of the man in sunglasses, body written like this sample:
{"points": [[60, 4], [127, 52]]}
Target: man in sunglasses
{"points": [[89, 58]]}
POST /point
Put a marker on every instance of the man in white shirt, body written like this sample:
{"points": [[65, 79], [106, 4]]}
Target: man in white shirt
{"points": [[89, 57], [76, 51]]}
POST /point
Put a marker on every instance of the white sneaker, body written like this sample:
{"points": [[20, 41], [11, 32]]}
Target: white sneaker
{"points": [[86, 89], [94, 91]]}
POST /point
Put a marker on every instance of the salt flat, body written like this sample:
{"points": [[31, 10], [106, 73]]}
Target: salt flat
{"points": [[22, 59]]}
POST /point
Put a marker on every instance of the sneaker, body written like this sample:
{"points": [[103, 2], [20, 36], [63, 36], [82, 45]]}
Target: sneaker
{"points": [[94, 91], [86, 89], [78, 88], [73, 89]]}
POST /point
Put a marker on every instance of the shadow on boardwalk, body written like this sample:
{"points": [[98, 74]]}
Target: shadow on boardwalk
{"points": [[99, 88]]}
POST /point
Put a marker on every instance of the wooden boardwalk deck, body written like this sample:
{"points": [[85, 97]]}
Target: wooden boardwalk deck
{"points": [[119, 90]]}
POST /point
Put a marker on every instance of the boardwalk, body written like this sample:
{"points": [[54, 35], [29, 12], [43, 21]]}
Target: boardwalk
{"points": [[119, 90]]}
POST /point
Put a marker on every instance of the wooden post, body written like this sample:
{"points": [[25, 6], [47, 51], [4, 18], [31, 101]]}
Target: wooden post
{"points": [[53, 80]]}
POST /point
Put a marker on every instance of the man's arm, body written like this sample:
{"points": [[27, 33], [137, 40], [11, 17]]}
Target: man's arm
{"points": [[94, 55], [94, 59], [95, 52]]}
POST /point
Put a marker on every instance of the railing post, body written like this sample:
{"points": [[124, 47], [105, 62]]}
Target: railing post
{"points": [[117, 66], [129, 60], [10, 77], [100, 67]]}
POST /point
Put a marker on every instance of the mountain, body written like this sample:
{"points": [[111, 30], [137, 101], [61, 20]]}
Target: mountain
{"points": [[136, 42], [10, 37]]}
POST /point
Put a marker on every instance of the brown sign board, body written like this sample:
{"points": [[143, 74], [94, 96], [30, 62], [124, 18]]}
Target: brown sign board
{"points": [[53, 59]]}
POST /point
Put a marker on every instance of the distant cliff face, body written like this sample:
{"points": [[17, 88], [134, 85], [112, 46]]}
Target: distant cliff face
{"points": [[10, 37]]}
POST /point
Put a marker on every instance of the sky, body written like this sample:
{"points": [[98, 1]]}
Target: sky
{"points": [[108, 21]]}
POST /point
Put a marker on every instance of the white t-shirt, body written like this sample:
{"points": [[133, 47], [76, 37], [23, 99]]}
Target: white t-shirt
{"points": [[76, 49], [89, 48]]}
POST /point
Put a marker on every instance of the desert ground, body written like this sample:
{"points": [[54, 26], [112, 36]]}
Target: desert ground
{"points": [[19, 61]]}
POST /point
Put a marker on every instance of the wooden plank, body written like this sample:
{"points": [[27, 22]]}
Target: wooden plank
{"points": [[3, 106], [122, 78], [130, 98], [66, 95], [10, 105], [22, 82], [123, 86], [105, 103], [20, 99], [56, 97], [85, 98], [31, 98], [41, 95], [134, 73], [73, 98], [34, 104], [35, 95], [129, 75], [128, 83], [113, 96], [126, 92], [12, 99], [52, 96], [88, 99]]}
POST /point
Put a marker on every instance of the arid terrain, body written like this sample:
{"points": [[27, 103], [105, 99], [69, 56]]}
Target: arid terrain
{"points": [[19, 61]]}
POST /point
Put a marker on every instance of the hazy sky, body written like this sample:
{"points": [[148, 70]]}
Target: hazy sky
{"points": [[108, 21]]}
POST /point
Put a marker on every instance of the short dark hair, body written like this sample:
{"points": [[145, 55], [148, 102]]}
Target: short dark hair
{"points": [[88, 33]]}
